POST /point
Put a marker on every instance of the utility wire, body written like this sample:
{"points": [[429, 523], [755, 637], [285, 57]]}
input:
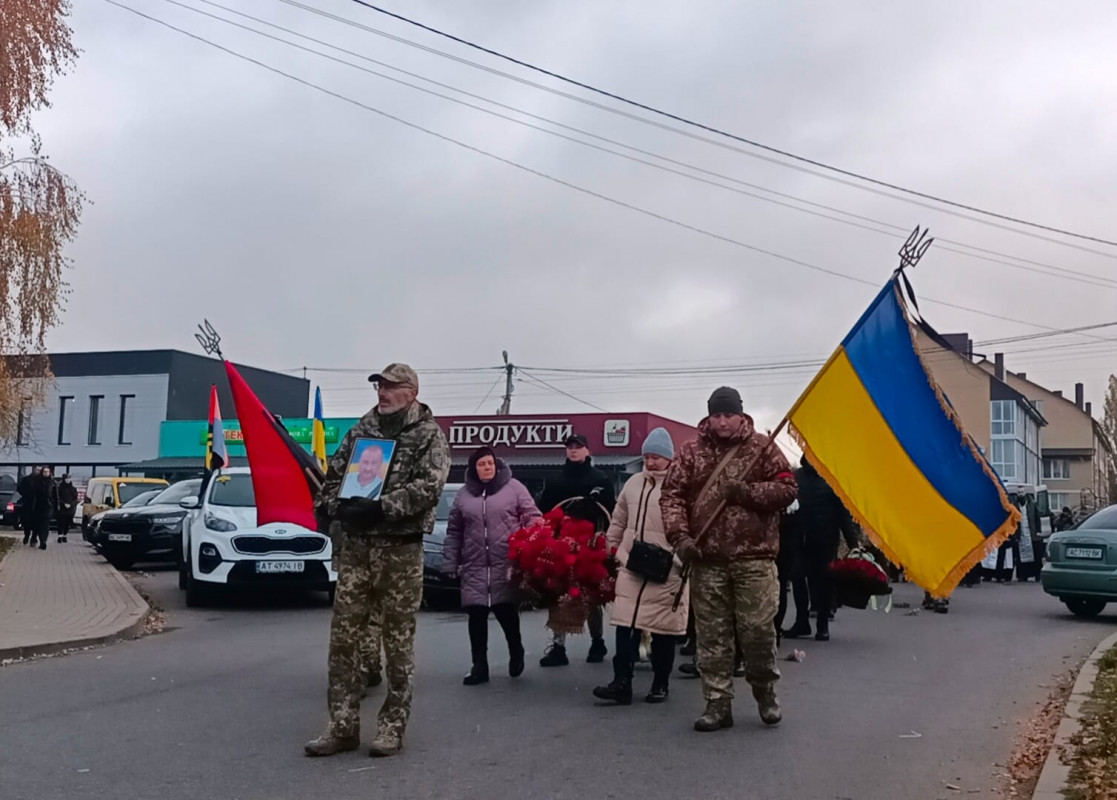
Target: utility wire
{"points": [[553, 179], [554, 388], [726, 134], [1047, 269], [488, 394]]}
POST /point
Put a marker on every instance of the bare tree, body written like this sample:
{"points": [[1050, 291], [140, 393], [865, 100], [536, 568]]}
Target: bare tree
{"points": [[39, 205]]}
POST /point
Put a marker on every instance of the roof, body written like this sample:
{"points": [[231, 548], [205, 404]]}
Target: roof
{"points": [[1068, 452], [176, 464]]}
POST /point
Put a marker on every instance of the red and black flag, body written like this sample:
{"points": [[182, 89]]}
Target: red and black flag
{"points": [[285, 477], [217, 456]]}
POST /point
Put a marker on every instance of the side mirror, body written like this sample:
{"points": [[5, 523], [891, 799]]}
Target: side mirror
{"points": [[190, 503]]}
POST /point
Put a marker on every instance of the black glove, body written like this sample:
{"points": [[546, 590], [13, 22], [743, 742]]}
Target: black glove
{"points": [[360, 513], [322, 522]]}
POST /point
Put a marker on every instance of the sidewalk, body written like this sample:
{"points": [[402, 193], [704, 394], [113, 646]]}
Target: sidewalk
{"points": [[62, 597]]}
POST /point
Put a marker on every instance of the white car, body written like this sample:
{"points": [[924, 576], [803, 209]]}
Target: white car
{"points": [[223, 546]]}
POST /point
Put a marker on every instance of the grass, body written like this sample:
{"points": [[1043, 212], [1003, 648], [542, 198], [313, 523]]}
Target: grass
{"points": [[1093, 750], [6, 544]]}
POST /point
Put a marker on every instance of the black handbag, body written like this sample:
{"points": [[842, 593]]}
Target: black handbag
{"points": [[650, 561]]}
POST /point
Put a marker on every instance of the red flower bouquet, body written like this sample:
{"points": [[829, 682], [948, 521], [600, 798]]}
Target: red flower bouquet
{"points": [[562, 563], [857, 578]]}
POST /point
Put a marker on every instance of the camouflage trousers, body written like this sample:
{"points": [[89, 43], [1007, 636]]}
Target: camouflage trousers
{"points": [[374, 578], [743, 595], [368, 651]]}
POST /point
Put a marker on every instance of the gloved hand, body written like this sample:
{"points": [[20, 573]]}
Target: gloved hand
{"points": [[687, 551], [743, 495], [361, 514]]}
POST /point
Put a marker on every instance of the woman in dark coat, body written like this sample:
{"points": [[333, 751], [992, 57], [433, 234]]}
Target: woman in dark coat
{"points": [[488, 509], [43, 504]]}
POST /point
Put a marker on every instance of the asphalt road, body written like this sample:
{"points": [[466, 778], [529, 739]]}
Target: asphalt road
{"points": [[219, 706]]}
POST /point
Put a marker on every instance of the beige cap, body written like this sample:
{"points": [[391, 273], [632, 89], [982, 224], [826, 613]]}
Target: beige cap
{"points": [[397, 373]]}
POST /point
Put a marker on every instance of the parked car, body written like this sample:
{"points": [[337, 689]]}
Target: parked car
{"points": [[223, 546], [101, 494], [8, 497], [1081, 564], [12, 510], [438, 587], [90, 531], [152, 532]]}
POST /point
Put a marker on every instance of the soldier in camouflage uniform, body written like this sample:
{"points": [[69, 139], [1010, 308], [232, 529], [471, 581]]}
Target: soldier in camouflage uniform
{"points": [[378, 547], [733, 581], [369, 652]]}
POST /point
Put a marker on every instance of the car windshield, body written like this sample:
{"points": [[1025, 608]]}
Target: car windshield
{"points": [[233, 490], [1104, 520], [141, 499], [445, 503], [128, 491], [179, 491]]}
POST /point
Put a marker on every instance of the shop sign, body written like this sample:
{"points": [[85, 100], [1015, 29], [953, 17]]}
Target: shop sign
{"points": [[301, 434], [522, 434]]}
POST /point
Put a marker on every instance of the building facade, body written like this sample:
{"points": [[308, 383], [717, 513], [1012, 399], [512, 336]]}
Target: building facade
{"points": [[106, 409]]}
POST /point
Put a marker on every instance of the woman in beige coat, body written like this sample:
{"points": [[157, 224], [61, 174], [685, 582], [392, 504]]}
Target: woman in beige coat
{"points": [[644, 605]]}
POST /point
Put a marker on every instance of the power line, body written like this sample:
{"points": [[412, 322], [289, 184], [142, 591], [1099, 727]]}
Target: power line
{"points": [[553, 179], [554, 388], [1047, 269], [728, 135]]}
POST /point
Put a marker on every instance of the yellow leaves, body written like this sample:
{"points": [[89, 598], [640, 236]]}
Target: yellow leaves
{"points": [[35, 46]]}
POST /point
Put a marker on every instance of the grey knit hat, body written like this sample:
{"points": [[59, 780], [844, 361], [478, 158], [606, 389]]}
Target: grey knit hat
{"points": [[659, 443]]}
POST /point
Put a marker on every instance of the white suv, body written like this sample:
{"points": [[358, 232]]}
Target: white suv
{"points": [[222, 544]]}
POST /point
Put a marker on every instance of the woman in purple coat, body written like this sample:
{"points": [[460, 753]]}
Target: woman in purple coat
{"points": [[489, 508]]}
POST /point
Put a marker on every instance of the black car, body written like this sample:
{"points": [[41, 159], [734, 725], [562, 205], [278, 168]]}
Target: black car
{"points": [[438, 587], [91, 532], [150, 533]]}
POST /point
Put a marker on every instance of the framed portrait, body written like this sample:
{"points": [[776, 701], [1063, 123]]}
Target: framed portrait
{"points": [[367, 469]]}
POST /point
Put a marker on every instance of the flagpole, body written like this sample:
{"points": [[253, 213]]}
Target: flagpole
{"points": [[685, 572]]}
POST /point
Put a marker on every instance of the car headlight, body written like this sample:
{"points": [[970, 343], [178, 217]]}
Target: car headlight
{"points": [[172, 521], [218, 524]]}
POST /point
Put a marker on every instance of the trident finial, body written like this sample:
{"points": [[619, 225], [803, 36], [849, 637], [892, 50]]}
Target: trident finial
{"points": [[209, 339], [914, 248]]}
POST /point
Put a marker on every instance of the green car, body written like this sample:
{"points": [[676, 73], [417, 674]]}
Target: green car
{"points": [[1081, 564]]}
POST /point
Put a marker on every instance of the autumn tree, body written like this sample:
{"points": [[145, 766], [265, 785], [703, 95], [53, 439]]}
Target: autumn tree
{"points": [[1109, 425], [39, 205]]}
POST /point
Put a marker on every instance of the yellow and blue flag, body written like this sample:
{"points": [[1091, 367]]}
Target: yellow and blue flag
{"points": [[318, 432], [878, 428]]}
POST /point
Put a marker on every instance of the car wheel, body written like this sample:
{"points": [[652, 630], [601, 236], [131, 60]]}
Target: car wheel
{"points": [[1086, 607], [182, 568], [196, 592], [332, 592]]}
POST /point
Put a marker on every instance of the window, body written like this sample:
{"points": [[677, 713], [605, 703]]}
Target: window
{"points": [[232, 490], [129, 490], [1004, 458], [64, 406], [23, 427], [1004, 417], [1059, 500], [1104, 520], [1056, 469], [125, 436], [95, 418]]}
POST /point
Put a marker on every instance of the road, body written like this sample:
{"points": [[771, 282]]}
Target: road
{"points": [[895, 706]]}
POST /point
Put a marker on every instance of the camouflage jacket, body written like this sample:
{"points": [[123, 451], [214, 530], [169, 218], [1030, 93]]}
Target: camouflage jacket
{"points": [[416, 476], [756, 485]]}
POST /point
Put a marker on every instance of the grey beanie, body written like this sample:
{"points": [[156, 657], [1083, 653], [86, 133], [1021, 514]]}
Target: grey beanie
{"points": [[659, 443]]}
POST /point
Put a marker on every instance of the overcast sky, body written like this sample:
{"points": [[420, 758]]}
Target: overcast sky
{"points": [[315, 233]]}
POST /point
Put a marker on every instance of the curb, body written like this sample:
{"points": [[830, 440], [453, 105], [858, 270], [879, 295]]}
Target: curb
{"points": [[129, 630], [1053, 779]]}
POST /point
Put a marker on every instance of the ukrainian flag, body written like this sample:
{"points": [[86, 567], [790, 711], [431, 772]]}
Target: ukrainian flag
{"points": [[878, 428], [318, 434]]}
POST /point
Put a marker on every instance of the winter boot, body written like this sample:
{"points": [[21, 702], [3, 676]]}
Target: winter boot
{"points": [[719, 714], [385, 745], [768, 705], [516, 660], [658, 694], [598, 651], [690, 669], [798, 631], [478, 675], [329, 745], [555, 656], [619, 692]]}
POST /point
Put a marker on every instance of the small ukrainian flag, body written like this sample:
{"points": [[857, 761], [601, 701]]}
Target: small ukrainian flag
{"points": [[318, 432], [879, 429]]}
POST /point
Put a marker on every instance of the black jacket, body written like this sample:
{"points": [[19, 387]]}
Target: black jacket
{"points": [[821, 516], [578, 480], [67, 495], [42, 501]]}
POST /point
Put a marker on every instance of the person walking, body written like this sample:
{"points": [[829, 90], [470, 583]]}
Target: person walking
{"points": [[380, 560], [578, 479], [43, 504], [721, 502], [792, 573], [648, 579], [824, 522], [25, 487], [487, 510], [67, 506]]}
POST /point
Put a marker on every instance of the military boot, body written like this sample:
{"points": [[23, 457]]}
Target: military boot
{"points": [[768, 705], [329, 745], [719, 714], [385, 745]]}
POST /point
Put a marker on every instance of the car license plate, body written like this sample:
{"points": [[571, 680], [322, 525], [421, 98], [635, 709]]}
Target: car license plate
{"points": [[1095, 553], [120, 537], [280, 566]]}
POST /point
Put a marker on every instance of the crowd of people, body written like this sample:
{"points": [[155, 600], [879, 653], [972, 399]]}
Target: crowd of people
{"points": [[695, 535], [42, 501]]}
